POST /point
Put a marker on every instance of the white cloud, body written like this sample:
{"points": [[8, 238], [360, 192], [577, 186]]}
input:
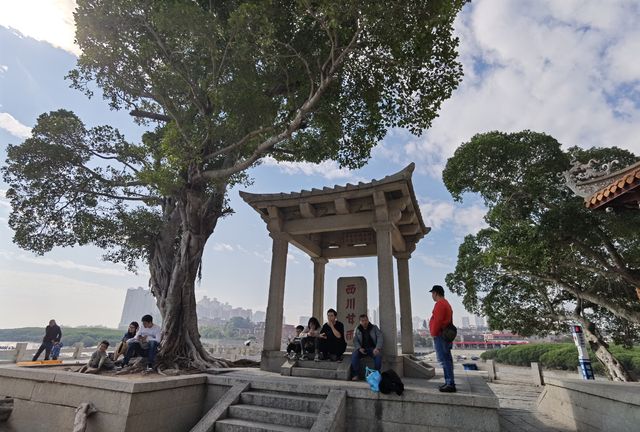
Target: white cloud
{"points": [[463, 220], [327, 169], [342, 263], [222, 247], [436, 262], [44, 20], [114, 270], [13, 126], [567, 68]]}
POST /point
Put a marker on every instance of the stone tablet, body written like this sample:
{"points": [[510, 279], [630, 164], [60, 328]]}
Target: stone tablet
{"points": [[351, 303]]}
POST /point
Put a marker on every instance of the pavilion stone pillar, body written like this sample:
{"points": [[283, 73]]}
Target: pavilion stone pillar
{"points": [[386, 291], [319, 265], [271, 355], [404, 291]]}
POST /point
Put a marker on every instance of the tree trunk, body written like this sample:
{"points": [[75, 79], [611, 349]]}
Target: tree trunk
{"points": [[174, 265], [613, 368]]}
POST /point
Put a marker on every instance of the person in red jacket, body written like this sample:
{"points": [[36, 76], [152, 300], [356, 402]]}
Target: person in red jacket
{"points": [[442, 316]]}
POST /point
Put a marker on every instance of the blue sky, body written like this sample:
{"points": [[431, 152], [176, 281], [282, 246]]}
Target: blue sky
{"points": [[567, 68]]}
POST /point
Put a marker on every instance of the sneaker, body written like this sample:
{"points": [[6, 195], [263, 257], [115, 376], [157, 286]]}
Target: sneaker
{"points": [[355, 378], [448, 389], [317, 358], [286, 355]]}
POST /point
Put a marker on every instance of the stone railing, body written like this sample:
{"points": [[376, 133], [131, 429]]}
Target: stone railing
{"points": [[21, 353]]}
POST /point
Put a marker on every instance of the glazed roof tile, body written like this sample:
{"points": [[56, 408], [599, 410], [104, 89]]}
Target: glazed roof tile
{"points": [[623, 184]]}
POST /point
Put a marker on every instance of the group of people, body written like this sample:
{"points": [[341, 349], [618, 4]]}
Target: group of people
{"points": [[323, 343], [328, 342], [136, 342]]}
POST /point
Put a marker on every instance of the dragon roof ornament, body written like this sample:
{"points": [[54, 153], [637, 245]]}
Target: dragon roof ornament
{"points": [[586, 179]]}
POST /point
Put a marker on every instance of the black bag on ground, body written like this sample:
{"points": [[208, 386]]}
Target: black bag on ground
{"points": [[449, 333], [391, 382]]}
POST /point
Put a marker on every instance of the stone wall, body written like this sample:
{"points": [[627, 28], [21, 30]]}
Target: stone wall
{"points": [[590, 406], [45, 400]]}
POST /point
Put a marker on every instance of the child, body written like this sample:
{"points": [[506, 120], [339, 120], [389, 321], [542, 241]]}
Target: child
{"points": [[55, 350], [99, 360], [294, 349]]}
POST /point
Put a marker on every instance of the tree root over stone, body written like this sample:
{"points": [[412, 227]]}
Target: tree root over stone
{"points": [[83, 411]]}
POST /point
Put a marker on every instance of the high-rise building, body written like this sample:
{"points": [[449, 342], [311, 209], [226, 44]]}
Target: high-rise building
{"points": [[480, 322], [139, 302], [465, 322]]}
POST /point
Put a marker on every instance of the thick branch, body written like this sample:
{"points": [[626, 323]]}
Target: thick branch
{"points": [[149, 115]]}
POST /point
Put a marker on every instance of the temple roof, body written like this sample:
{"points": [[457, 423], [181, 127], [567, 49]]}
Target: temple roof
{"points": [[626, 180], [338, 221]]}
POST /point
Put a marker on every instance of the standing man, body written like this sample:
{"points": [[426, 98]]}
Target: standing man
{"points": [[51, 333], [332, 342], [366, 342], [441, 317]]}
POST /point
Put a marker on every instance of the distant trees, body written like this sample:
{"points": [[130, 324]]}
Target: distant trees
{"points": [[545, 260]]}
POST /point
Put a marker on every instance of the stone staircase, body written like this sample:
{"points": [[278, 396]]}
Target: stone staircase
{"points": [[259, 410], [321, 370], [246, 409]]}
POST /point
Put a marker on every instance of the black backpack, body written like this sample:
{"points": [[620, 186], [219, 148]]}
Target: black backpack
{"points": [[391, 382]]}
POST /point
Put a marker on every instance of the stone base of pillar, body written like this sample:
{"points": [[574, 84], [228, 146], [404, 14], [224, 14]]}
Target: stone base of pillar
{"points": [[393, 362], [271, 361]]}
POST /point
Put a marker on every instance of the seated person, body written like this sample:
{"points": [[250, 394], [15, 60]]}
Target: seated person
{"points": [[332, 342], [310, 338], [294, 349], [99, 360], [145, 342], [367, 341], [121, 348], [55, 350]]}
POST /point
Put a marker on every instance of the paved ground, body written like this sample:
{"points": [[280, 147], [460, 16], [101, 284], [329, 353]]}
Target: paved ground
{"points": [[518, 411]]}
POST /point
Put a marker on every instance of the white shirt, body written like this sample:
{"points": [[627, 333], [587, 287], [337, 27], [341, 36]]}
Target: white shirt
{"points": [[152, 333]]}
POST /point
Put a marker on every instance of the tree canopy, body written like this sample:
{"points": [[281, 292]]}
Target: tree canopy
{"points": [[544, 260], [220, 85]]}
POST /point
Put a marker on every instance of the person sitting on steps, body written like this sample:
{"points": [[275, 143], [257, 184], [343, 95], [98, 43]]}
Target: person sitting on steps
{"points": [[294, 349], [366, 342], [310, 339], [332, 342]]}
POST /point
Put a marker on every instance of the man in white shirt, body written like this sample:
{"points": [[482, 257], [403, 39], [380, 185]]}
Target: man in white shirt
{"points": [[145, 342]]}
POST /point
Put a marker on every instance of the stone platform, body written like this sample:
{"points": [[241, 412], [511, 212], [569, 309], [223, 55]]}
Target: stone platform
{"points": [[45, 400]]}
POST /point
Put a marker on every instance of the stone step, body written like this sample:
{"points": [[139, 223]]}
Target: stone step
{"points": [[238, 425], [315, 373], [273, 415], [320, 364], [289, 401]]}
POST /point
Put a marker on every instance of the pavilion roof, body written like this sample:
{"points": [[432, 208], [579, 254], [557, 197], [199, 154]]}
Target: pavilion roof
{"points": [[628, 180], [342, 216]]}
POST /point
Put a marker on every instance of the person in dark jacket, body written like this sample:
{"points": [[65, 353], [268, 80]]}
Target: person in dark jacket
{"points": [[332, 342], [366, 342], [51, 333]]}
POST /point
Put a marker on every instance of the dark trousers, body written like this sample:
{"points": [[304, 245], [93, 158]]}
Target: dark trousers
{"points": [[357, 355], [334, 347], [311, 344], [136, 350], [46, 347]]}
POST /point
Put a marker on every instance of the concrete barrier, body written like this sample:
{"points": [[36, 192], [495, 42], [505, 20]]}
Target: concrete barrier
{"points": [[45, 400], [536, 374], [590, 406]]}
